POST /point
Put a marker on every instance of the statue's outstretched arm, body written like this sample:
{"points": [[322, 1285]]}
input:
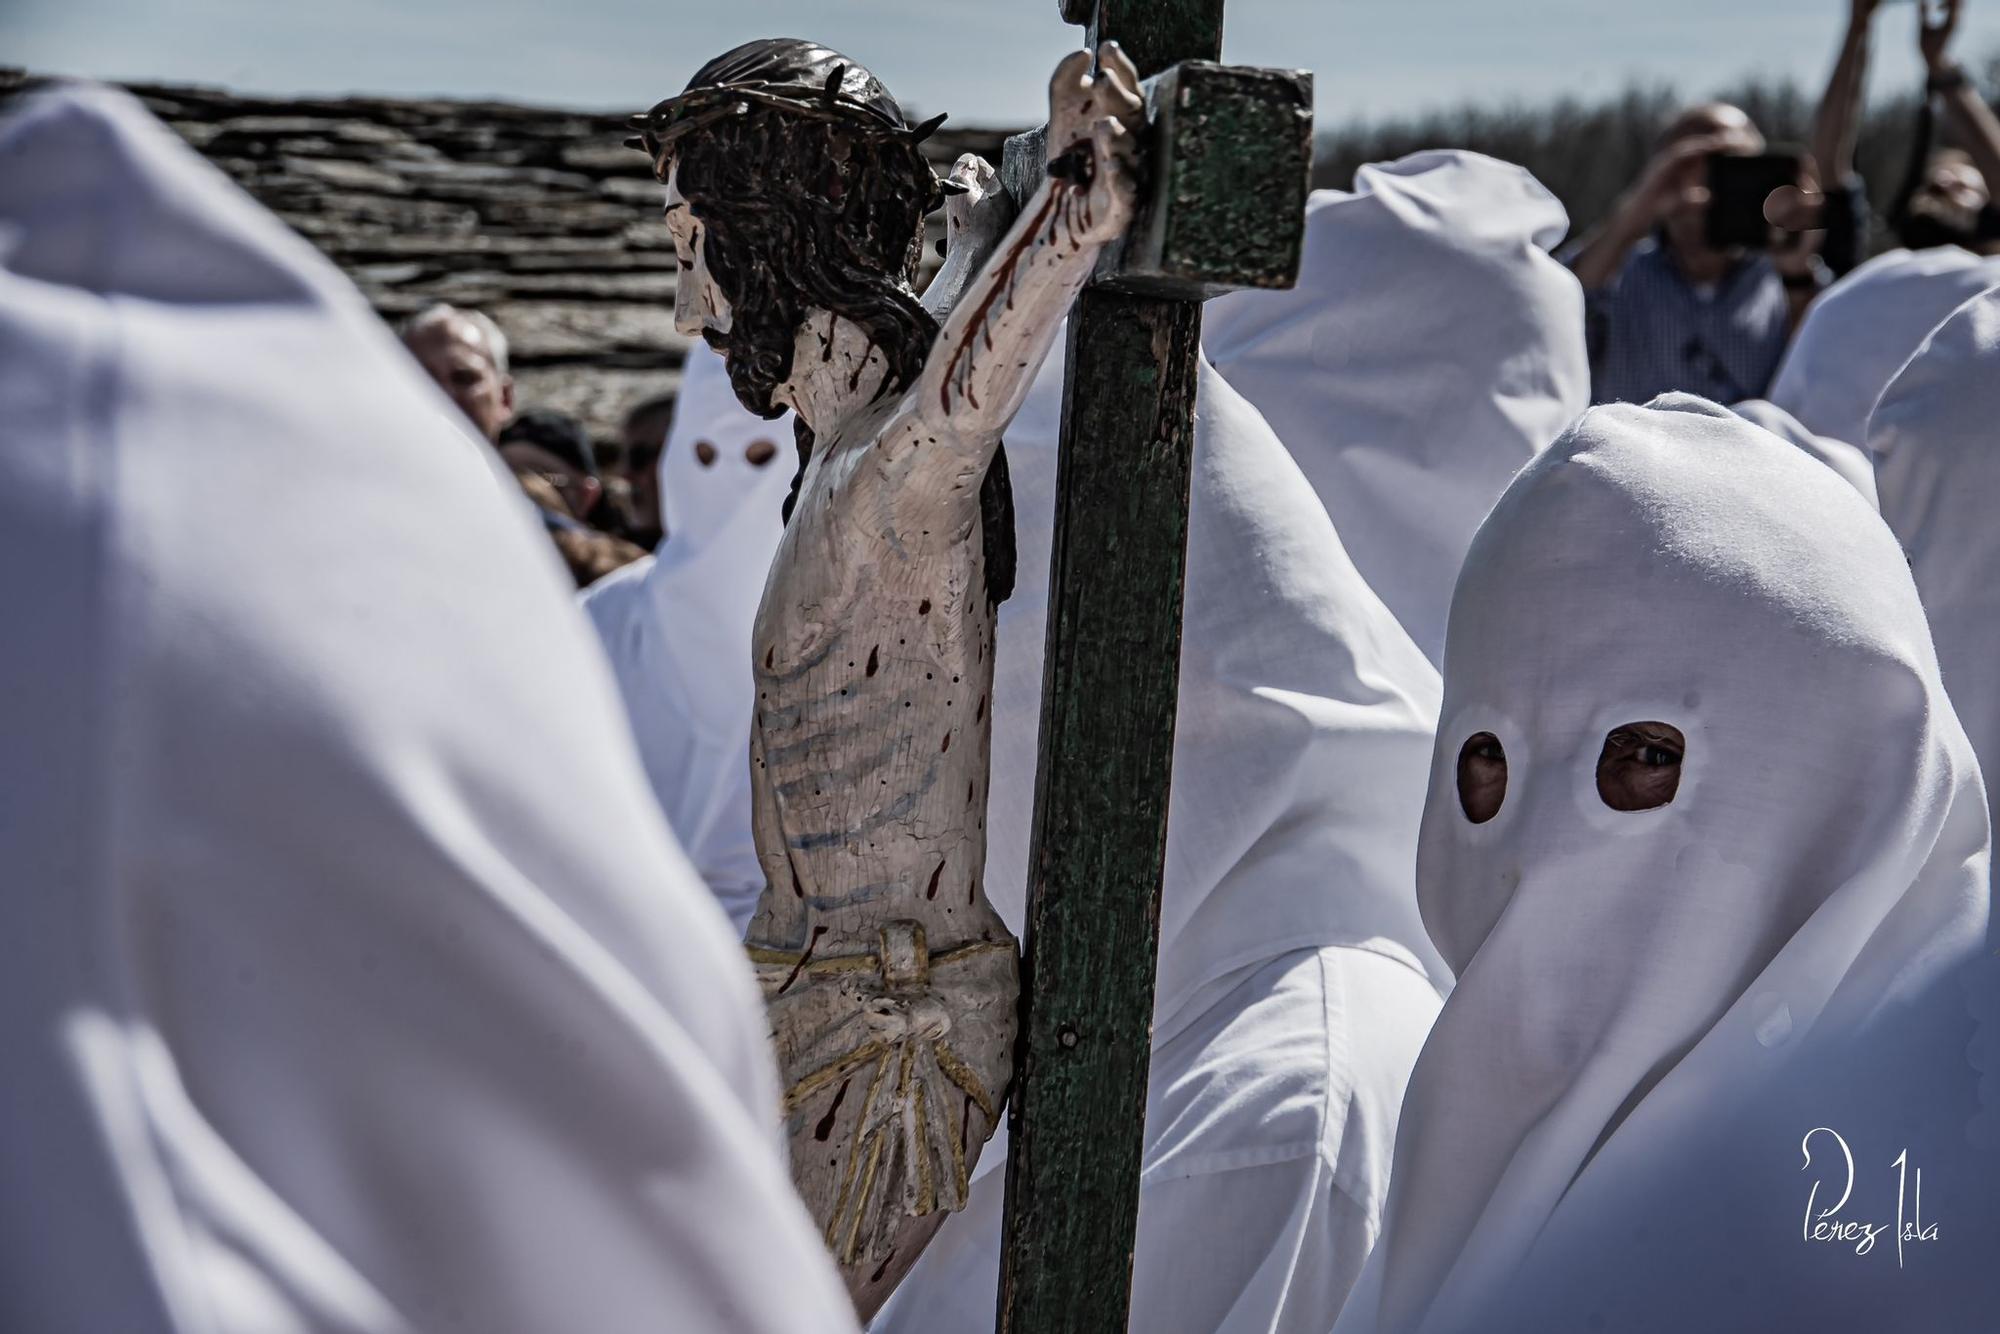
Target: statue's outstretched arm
{"points": [[1000, 329]]}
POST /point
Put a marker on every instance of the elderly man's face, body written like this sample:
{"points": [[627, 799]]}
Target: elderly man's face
{"points": [[455, 354]]}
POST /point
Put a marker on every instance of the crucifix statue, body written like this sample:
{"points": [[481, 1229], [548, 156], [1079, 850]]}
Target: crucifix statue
{"points": [[796, 196]]}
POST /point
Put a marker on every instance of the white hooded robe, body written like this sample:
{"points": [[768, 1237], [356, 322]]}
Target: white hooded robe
{"points": [[352, 982], [1655, 1006], [1936, 432], [1430, 348], [1859, 332]]}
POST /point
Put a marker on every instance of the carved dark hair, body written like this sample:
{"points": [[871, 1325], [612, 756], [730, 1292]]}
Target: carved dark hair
{"points": [[797, 214]]}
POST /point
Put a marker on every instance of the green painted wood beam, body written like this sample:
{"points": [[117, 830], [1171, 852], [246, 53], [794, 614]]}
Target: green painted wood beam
{"points": [[1228, 168], [1222, 205], [1154, 33], [1227, 164], [1111, 681]]}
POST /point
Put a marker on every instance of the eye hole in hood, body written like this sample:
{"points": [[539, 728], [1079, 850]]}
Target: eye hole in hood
{"points": [[1640, 766], [1482, 777]]}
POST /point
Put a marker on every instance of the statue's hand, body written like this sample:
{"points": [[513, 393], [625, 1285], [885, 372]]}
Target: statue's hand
{"points": [[1094, 121], [895, 1065], [980, 216], [975, 222]]}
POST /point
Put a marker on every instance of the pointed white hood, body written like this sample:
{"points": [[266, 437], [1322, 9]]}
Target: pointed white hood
{"points": [[1937, 434], [1626, 974], [1860, 331], [1431, 347], [1304, 725]]}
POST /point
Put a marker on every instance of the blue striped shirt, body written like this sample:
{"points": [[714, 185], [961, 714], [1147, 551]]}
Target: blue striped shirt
{"points": [[1651, 331]]}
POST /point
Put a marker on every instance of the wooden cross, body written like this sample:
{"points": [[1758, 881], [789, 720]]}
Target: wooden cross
{"points": [[1222, 206]]}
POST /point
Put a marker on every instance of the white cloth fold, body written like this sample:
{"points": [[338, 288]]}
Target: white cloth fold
{"points": [[1270, 1120], [1860, 331], [677, 627], [1851, 461], [1936, 433], [1431, 347], [1706, 972], [351, 980], [1303, 708]]}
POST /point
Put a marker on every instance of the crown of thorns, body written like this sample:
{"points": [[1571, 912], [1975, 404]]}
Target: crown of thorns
{"points": [[864, 110]]}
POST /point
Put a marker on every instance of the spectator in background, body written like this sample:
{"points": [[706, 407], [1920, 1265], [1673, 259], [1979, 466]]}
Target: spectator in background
{"points": [[1947, 196], [1668, 311], [554, 446], [614, 513], [549, 453], [551, 456], [1944, 200], [465, 352], [644, 434]]}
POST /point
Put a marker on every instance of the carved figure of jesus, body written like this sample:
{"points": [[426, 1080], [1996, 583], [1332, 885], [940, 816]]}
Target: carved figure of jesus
{"points": [[796, 196]]}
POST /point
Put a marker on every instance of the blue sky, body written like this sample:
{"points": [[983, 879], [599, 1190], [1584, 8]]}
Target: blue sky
{"points": [[981, 60]]}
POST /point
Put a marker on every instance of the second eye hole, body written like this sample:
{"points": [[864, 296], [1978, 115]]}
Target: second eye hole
{"points": [[1640, 766]]}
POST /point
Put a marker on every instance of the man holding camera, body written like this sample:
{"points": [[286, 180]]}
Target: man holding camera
{"points": [[1671, 301]]}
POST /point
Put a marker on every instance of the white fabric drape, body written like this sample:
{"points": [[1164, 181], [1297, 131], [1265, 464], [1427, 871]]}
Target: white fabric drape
{"points": [[1431, 347], [1937, 435], [351, 982], [1295, 981], [1704, 973], [677, 627], [1851, 461], [1860, 331]]}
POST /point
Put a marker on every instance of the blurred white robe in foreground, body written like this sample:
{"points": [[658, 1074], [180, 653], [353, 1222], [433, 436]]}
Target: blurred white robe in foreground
{"points": [[351, 981], [1431, 347], [1655, 1007], [676, 627], [1859, 332], [1295, 982]]}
